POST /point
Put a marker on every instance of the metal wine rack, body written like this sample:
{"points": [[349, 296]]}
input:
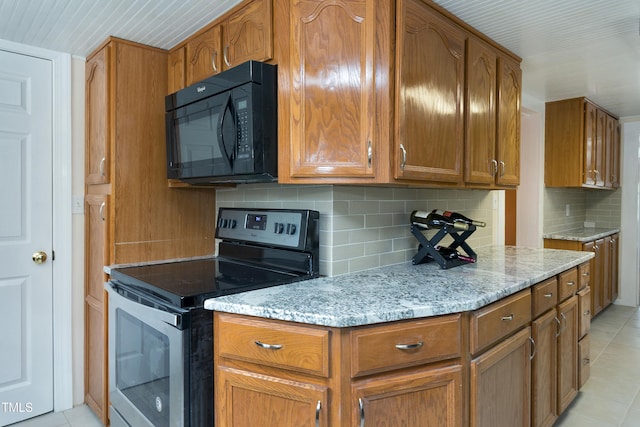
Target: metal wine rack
{"points": [[427, 247]]}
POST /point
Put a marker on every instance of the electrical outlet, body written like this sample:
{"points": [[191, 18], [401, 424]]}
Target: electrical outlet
{"points": [[567, 208], [77, 204]]}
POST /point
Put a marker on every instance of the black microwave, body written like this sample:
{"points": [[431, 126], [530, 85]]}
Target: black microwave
{"points": [[224, 129]]}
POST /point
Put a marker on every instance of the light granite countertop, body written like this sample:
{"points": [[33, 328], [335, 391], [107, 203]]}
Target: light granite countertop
{"points": [[582, 234], [403, 291]]}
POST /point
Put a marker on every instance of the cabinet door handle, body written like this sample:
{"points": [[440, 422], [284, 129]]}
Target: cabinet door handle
{"points": [[586, 360], [507, 318], [495, 167], [548, 295], [268, 346], [101, 166], [369, 153], [587, 313], [559, 328], [595, 248], [404, 156], [414, 346], [226, 56], [502, 169], [213, 61], [564, 318], [361, 406], [612, 241], [101, 212], [318, 408], [533, 348]]}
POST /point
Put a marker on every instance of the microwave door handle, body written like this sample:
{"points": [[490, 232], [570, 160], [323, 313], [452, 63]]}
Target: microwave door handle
{"points": [[227, 147]]}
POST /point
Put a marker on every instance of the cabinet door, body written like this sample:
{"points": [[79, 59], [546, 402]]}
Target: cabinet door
{"points": [[204, 55], [544, 389], [590, 136], [332, 93], [613, 267], [609, 141], [604, 274], [615, 156], [249, 34], [595, 271], [97, 118], [430, 397], [480, 142], [176, 70], [509, 95], [567, 353], [430, 58], [599, 149], [249, 400], [501, 384], [96, 257]]}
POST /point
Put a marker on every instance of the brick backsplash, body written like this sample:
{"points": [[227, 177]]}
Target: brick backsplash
{"points": [[364, 227]]}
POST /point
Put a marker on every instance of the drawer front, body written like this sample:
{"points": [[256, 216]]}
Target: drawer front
{"points": [[545, 296], [584, 275], [584, 305], [295, 348], [496, 321], [568, 283], [584, 358], [394, 346]]}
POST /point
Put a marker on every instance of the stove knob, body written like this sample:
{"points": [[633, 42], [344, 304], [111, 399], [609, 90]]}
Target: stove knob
{"points": [[279, 228], [224, 222], [291, 229], [233, 223]]}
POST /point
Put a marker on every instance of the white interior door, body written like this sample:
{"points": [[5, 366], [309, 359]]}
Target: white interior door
{"points": [[26, 213]]}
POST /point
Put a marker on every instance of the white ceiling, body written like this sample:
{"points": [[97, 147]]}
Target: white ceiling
{"points": [[569, 48]]}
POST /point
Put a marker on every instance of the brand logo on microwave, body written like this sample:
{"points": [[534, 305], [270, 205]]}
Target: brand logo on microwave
{"points": [[201, 89]]}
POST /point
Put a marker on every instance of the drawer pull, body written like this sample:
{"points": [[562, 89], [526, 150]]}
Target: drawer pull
{"points": [[549, 295], [587, 313], [507, 318], [268, 346], [585, 274], [586, 361], [571, 283], [410, 346]]}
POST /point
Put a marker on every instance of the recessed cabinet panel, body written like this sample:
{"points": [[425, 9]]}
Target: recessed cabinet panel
{"points": [[509, 94]]}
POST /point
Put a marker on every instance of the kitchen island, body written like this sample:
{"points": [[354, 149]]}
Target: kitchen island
{"points": [[490, 343]]}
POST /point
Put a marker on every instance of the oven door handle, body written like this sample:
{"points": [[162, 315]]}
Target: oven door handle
{"points": [[141, 310]]}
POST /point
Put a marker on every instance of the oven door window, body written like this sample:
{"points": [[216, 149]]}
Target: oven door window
{"points": [[142, 367]]}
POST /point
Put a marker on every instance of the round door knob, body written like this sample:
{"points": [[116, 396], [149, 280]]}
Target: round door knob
{"points": [[39, 257]]}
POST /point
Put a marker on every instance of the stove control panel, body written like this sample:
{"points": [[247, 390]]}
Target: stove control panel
{"points": [[291, 228]]}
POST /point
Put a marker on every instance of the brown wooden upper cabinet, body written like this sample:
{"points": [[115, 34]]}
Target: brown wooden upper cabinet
{"points": [[582, 145], [374, 92], [244, 33], [492, 155]]}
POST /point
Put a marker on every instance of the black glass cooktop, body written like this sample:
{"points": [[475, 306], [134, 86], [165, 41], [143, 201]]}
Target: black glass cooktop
{"points": [[187, 284]]}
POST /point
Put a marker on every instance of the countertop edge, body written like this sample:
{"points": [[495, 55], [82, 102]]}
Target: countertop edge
{"points": [[584, 234]]}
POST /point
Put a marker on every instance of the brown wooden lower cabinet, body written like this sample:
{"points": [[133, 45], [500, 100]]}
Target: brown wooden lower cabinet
{"points": [[500, 384], [495, 366]]}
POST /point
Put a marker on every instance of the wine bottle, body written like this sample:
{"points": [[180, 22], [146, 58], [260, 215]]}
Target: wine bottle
{"points": [[458, 217], [433, 220]]}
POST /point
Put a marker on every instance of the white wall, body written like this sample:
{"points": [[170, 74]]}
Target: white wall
{"points": [[530, 192], [630, 227], [77, 188]]}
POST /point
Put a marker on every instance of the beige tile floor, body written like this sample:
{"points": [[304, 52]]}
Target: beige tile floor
{"points": [[610, 398]]}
